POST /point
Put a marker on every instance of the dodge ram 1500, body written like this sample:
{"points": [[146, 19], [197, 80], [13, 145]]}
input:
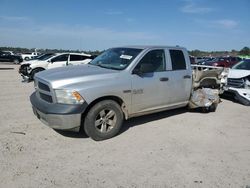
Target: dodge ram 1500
{"points": [[120, 83]]}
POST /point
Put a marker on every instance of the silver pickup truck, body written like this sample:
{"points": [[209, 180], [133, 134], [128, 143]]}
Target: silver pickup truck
{"points": [[119, 84]]}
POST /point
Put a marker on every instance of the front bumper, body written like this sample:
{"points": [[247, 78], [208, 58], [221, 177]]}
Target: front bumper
{"points": [[57, 116], [23, 70], [239, 92]]}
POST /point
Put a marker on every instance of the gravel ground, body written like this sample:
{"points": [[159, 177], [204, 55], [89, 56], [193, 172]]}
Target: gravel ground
{"points": [[176, 148]]}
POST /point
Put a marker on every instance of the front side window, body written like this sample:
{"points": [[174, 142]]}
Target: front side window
{"points": [[177, 59], [116, 58], [63, 57], [153, 61]]}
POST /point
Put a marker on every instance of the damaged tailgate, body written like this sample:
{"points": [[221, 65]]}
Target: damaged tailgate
{"points": [[208, 83]]}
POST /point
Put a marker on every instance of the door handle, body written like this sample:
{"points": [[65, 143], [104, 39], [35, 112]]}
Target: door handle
{"points": [[186, 77], [164, 79]]}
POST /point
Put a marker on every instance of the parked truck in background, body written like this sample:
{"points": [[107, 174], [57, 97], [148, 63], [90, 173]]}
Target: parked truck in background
{"points": [[119, 84], [29, 55]]}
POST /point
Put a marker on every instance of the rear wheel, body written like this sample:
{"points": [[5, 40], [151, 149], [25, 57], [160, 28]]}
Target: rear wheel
{"points": [[211, 108], [104, 120]]}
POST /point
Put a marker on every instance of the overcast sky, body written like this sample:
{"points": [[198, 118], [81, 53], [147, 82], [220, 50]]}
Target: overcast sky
{"points": [[98, 24]]}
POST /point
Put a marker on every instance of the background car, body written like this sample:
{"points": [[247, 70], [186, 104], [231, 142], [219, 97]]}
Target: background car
{"points": [[238, 82], [221, 61], [29, 68], [7, 57]]}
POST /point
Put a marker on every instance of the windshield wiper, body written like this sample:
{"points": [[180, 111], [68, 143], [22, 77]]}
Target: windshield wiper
{"points": [[106, 67]]}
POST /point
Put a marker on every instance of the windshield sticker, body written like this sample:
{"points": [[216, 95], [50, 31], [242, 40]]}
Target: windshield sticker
{"points": [[128, 57]]}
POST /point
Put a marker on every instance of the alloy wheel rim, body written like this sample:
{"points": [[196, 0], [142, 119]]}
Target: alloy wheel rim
{"points": [[105, 121]]}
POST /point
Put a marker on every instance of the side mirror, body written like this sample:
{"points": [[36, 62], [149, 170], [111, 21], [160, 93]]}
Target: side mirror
{"points": [[137, 72], [50, 61]]}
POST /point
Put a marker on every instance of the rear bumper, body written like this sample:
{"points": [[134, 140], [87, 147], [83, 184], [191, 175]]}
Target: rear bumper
{"points": [[57, 116]]}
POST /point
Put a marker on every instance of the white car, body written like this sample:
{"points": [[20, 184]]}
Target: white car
{"points": [[29, 68], [238, 82]]}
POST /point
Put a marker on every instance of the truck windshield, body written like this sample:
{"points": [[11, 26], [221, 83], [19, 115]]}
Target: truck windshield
{"points": [[116, 58]]}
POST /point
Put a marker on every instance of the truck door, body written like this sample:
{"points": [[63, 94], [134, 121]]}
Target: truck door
{"points": [[179, 77], [148, 80], [58, 61]]}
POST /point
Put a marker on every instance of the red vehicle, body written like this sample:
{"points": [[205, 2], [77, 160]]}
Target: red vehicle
{"points": [[222, 62]]}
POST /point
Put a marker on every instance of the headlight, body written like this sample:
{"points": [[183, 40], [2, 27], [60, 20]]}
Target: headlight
{"points": [[68, 97]]}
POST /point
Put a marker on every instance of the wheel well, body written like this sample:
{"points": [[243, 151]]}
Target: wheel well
{"points": [[39, 68], [114, 98], [32, 72]]}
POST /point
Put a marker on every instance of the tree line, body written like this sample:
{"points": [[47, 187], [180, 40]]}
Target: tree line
{"points": [[27, 50], [197, 53], [243, 52]]}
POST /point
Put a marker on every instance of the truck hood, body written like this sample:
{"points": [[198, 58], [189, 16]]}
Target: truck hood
{"points": [[238, 73], [64, 76]]}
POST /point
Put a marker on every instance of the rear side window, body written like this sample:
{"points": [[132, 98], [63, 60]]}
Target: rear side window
{"points": [[177, 59], [78, 57]]}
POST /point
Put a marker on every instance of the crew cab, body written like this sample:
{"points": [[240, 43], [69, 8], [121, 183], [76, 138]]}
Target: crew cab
{"points": [[29, 68], [119, 84]]}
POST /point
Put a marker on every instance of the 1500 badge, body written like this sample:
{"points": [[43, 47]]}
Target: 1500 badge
{"points": [[134, 91]]}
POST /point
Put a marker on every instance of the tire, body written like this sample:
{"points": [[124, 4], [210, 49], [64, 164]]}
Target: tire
{"points": [[211, 108], [34, 72], [104, 120], [26, 58]]}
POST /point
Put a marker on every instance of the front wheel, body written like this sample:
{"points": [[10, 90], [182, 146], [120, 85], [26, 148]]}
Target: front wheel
{"points": [[104, 120]]}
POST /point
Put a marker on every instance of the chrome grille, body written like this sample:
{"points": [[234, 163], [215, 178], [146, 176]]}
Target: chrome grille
{"points": [[45, 97], [235, 82], [43, 86], [44, 91]]}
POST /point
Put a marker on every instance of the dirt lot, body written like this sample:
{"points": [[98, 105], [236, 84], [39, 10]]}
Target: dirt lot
{"points": [[171, 149]]}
